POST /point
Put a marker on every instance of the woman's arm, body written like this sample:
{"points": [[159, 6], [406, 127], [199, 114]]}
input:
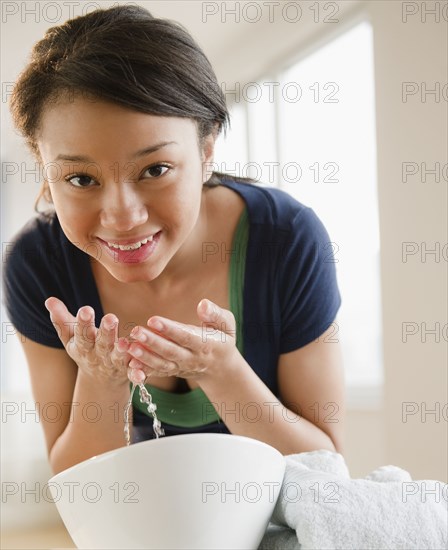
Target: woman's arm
{"points": [[80, 419], [310, 380], [311, 383]]}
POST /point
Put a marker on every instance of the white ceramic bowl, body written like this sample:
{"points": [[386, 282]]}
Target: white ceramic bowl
{"points": [[194, 491]]}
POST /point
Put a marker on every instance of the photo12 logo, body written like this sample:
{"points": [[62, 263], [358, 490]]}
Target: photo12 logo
{"points": [[253, 12], [50, 12], [251, 492], [435, 412], [71, 491], [424, 12]]}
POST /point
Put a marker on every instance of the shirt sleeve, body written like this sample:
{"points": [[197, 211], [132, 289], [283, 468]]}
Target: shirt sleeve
{"points": [[28, 280], [309, 293]]}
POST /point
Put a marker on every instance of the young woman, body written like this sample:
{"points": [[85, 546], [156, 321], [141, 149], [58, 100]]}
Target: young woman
{"points": [[218, 293]]}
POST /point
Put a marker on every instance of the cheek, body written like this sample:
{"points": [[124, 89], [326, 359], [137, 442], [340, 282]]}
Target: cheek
{"points": [[189, 210], [179, 208], [68, 211], [76, 219], [70, 204]]}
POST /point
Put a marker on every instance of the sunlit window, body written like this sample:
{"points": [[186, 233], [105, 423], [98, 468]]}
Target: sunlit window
{"points": [[315, 139], [231, 155]]}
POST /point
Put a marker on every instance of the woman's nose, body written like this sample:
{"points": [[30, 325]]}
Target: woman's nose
{"points": [[122, 208]]}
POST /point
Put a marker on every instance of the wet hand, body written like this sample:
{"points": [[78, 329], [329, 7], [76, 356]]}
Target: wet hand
{"points": [[99, 352], [169, 348]]}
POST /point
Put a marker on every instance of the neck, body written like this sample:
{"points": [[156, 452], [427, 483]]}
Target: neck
{"points": [[188, 261]]}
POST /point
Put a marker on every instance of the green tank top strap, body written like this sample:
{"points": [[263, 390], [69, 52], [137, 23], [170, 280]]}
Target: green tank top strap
{"points": [[237, 272], [193, 408]]}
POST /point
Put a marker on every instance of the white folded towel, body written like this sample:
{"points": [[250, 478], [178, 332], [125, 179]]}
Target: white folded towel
{"points": [[386, 510]]}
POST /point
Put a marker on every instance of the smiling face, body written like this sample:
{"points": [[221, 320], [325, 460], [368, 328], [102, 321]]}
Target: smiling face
{"points": [[119, 177]]}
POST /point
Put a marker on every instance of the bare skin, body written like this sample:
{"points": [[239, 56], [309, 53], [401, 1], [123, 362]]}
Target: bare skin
{"points": [[107, 189]]}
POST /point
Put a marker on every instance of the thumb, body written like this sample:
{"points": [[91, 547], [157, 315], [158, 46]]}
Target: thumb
{"points": [[215, 316], [62, 319]]}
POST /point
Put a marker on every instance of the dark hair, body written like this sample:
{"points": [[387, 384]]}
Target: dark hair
{"points": [[123, 55]]}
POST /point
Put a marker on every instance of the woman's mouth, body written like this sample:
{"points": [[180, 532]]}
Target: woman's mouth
{"points": [[132, 253]]}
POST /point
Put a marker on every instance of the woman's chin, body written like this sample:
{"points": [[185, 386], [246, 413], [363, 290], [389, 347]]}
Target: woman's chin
{"points": [[132, 274]]}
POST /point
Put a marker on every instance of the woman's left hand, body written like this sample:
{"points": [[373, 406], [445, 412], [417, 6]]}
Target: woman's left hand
{"points": [[187, 351]]}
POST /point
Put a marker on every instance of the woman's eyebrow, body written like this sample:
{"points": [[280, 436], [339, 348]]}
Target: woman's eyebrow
{"points": [[141, 153]]}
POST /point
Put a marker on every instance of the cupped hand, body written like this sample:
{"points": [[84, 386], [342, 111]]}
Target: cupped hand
{"points": [[170, 348], [98, 352]]}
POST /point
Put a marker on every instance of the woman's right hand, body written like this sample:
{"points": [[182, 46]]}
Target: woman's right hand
{"points": [[98, 352]]}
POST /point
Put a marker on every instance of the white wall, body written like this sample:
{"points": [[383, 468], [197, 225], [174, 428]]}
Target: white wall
{"points": [[414, 131], [408, 47], [413, 212]]}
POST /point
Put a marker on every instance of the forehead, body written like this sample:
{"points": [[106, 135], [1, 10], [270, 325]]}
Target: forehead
{"points": [[96, 125]]}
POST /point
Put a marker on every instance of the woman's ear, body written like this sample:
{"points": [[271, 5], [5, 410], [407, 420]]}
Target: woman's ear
{"points": [[208, 151], [46, 193]]}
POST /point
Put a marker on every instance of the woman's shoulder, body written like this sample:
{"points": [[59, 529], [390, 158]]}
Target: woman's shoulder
{"points": [[266, 204], [32, 272], [42, 227], [36, 244]]}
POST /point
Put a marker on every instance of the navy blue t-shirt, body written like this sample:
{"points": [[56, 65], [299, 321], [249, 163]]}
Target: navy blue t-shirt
{"points": [[290, 292]]}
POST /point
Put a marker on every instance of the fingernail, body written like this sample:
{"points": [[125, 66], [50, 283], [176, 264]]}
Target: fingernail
{"points": [[137, 376], [138, 352], [155, 324], [138, 334], [140, 375], [122, 344], [109, 323], [84, 314], [208, 309]]}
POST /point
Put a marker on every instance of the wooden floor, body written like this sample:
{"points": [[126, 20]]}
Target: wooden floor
{"points": [[53, 538]]}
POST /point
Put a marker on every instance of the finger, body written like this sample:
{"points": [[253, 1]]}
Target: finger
{"points": [[85, 330], [120, 351], [122, 346], [62, 319], [134, 364], [215, 316], [119, 354], [141, 357], [150, 348], [136, 376], [185, 336], [107, 334]]}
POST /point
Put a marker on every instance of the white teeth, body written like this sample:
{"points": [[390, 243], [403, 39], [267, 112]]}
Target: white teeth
{"points": [[131, 246]]}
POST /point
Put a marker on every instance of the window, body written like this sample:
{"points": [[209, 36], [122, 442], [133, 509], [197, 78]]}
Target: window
{"points": [[231, 152], [314, 137]]}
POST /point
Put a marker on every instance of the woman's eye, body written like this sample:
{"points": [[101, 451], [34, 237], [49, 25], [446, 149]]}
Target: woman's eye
{"points": [[80, 181], [156, 171]]}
